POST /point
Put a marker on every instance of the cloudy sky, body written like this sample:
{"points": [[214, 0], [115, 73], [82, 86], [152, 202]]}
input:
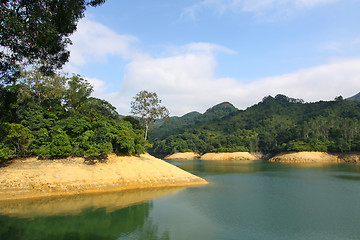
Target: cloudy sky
{"points": [[197, 53]]}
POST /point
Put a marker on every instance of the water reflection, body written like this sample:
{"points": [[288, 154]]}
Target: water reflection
{"points": [[90, 224], [72, 205], [220, 167], [105, 216], [226, 167]]}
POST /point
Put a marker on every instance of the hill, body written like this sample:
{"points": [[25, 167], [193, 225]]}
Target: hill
{"points": [[176, 124], [276, 124], [356, 97]]}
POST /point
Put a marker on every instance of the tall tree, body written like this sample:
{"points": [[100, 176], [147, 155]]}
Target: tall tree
{"points": [[147, 106], [37, 33], [77, 92]]}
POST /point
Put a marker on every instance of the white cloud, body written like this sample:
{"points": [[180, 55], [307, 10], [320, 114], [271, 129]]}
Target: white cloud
{"points": [[257, 7], [94, 42], [185, 78], [99, 86], [186, 82], [322, 82]]}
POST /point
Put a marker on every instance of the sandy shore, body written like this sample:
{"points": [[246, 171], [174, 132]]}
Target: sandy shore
{"points": [[183, 156], [32, 178], [228, 156], [306, 157], [222, 156]]}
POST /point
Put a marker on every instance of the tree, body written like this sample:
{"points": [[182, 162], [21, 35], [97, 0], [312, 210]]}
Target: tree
{"points": [[77, 92], [37, 33], [147, 106], [33, 84]]}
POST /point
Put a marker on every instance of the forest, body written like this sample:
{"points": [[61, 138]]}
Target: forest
{"points": [[54, 116], [276, 124]]}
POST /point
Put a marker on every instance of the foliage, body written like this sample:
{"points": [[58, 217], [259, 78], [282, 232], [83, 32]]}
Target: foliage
{"points": [[37, 33], [15, 140], [77, 92], [54, 116], [274, 125], [147, 106]]}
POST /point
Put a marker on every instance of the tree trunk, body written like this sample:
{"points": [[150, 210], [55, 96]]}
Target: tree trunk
{"points": [[146, 131]]}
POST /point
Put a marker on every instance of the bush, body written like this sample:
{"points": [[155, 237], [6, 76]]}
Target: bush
{"points": [[60, 145]]}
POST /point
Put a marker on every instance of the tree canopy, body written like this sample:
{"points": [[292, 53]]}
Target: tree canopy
{"points": [[37, 33], [147, 106], [55, 116]]}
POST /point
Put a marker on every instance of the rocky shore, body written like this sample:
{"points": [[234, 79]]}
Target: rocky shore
{"points": [[33, 178]]}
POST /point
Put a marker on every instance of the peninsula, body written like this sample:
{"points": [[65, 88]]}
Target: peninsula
{"points": [[33, 178]]}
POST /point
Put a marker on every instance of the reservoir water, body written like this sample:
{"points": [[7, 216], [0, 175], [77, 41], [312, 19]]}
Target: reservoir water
{"points": [[244, 200]]}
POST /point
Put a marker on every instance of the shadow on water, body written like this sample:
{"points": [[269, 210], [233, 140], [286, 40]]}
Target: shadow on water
{"points": [[122, 215]]}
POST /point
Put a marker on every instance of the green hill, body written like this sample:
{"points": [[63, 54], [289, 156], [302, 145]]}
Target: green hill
{"points": [[355, 97], [176, 124], [275, 124]]}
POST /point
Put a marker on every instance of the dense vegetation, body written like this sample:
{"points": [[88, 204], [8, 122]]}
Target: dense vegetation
{"points": [[54, 116], [276, 124], [36, 33]]}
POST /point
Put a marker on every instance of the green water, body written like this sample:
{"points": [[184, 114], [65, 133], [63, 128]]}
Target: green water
{"points": [[247, 200]]}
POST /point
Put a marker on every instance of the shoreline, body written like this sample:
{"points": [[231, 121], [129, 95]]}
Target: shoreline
{"points": [[285, 157], [32, 178], [219, 156]]}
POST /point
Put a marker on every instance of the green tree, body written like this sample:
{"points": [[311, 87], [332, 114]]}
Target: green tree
{"points": [[39, 87], [15, 140], [37, 33], [60, 144], [147, 106], [77, 92]]}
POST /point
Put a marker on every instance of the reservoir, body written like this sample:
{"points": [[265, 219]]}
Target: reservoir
{"points": [[244, 200]]}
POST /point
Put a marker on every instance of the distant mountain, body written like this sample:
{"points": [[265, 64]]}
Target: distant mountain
{"points": [[176, 124], [276, 124], [355, 97], [191, 115], [219, 111]]}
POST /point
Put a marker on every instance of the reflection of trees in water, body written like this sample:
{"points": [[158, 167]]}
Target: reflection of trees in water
{"points": [[223, 167], [90, 224], [244, 166], [148, 231]]}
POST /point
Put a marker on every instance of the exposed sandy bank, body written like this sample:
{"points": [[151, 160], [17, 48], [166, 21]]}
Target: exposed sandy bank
{"points": [[32, 178], [183, 156], [230, 156], [305, 157]]}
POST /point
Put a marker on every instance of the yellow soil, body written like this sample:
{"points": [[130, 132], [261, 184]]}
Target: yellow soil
{"points": [[183, 156], [32, 178], [229, 156], [305, 157]]}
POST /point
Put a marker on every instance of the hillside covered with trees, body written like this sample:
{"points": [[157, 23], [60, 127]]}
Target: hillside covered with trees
{"points": [[276, 124], [54, 116]]}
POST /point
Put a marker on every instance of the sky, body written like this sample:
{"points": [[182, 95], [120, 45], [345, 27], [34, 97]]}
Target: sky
{"points": [[197, 53]]}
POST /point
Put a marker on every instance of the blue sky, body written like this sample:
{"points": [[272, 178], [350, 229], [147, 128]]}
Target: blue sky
{"points": [[197, 53]]}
